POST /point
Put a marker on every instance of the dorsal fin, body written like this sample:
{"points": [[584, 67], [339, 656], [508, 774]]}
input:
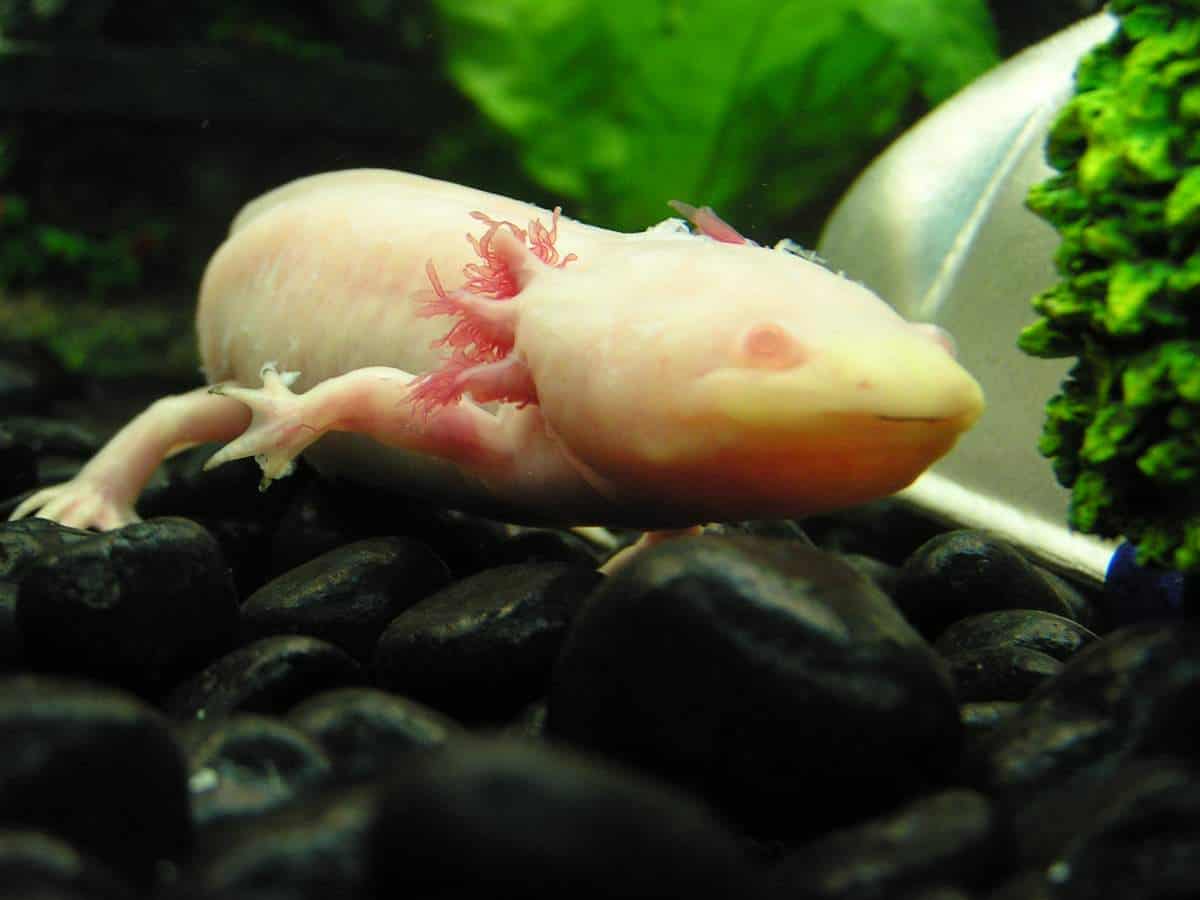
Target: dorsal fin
{"points": [[707, 222]]}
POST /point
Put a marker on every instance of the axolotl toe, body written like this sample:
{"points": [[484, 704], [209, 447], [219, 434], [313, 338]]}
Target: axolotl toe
{"points": [[493, 356]]}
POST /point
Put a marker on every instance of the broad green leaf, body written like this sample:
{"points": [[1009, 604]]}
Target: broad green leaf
{"points": [[623, 105]]}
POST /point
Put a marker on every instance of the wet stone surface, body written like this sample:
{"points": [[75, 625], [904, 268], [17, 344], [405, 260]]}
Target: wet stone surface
{"points": [[244, 765], [298, 694], [762, 672], [368, 732], [484, 647], [488, 814], [346, 596], [964, 573], [139, 606]]}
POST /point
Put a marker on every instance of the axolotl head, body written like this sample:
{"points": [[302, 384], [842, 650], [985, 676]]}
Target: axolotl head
{"points": [[717, 381]]}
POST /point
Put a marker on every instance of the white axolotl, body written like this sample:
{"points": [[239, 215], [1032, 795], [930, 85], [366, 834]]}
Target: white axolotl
{"points": [[487, 354]]}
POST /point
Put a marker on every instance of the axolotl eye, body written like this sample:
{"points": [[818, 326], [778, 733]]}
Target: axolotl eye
{"points": [[766, 345]]}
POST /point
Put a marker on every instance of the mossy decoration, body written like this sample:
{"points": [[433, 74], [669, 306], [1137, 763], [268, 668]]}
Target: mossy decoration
{"points": [[1124, 432]]}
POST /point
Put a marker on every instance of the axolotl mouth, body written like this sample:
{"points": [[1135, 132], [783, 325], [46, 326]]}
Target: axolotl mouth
{"points": [[923, 387]]}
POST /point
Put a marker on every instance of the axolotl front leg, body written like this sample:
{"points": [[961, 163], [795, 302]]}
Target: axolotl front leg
{"points": [[381, 403], [274, 426]]}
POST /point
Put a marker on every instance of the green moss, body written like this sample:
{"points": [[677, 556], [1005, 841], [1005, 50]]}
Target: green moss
{"points": [[1124, 433], [152, 338]]}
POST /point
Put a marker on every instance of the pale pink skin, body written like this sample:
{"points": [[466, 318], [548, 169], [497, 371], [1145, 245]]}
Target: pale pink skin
{"points": [[657, 380]]}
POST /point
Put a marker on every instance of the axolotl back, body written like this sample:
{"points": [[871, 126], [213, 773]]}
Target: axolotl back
{"points": [[491, 355]]}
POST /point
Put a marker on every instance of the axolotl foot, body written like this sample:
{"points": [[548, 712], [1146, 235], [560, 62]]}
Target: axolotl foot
{"points": [[282, 424], [80, 503]]}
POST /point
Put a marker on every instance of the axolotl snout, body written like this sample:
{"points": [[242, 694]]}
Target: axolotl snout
{"points": [[490, 355]]}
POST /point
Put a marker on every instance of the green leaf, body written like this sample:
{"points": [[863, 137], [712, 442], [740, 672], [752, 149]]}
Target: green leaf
{"points": [[1090, 499], [625, 104], [1172, 461], [1132, 292], [1183, 203], [1105, 438]]}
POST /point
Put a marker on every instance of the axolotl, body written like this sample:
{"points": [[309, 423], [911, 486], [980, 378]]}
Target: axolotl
{"points": [[497, 357]]}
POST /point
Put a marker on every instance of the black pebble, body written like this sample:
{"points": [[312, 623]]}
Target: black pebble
{"points": [[38, 866], [887, 529], [952, 837], [18, 470], [227, 502], [95, 767], [540, 545], [518, 819], [1130, 837], [312, 849], [530, 723], [761, 673], [243, 765], [367, 731], [964, 573], [1128, 696], [981, 717], [1000, 673], [139, 606], [483, 648], [268, 676], [1030, 628], [346, 596], [24, 542], [12, 654]]}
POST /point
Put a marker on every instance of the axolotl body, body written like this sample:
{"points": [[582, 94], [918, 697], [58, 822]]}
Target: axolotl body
{"points": [[488, 354]]}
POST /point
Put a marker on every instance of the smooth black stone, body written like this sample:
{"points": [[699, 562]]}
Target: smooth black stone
{"points": [[885, 576], [1131, 837], [1130, 695], [18, 469], [12, 652], [312, 849], [329, 512], [760, 673], [889, 529], [1032, 628], [24, 542], [981, 717], [245, 765], [268, 676], [228, 490], [311, 524], [228, 503], [39, 866], [1028, 885], [467, 544], [938, 892], [346, 596], [530, 723], [950, 837], [1000, 673], [139, 606], [53, 437], [484, 647], [539, 545], [94, 767], [520, 819], [367, 732], [965, 573]]}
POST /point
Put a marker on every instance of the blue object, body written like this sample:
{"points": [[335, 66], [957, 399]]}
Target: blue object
{"points": [[1136, 593]]}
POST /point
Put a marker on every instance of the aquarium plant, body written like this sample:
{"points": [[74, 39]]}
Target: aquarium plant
{"points": [[1124, 432], [616, 107]]}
